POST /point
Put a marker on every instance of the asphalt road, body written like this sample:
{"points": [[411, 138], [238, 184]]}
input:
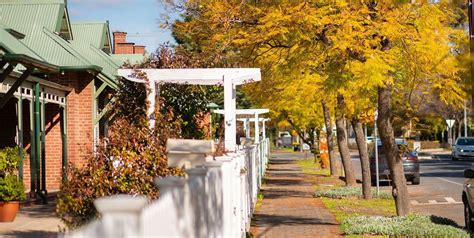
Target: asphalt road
{"points": [[439, 192]]}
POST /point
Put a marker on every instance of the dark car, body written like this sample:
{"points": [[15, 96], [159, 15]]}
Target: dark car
{"points": [[468, 199], [411, 164]]}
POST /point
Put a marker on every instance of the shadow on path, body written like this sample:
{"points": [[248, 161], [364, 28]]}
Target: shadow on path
{"points": [[288, 208]]}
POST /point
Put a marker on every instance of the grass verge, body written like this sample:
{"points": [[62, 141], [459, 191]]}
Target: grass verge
{"points": [[376, 217], [309, 167], [409, 226], [353, 207], [341, 192]]}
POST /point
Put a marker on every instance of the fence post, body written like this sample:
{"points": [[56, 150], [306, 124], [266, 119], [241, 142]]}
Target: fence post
{"points": [[214, 191], [227, 196], [120, 214], [196, 183]]}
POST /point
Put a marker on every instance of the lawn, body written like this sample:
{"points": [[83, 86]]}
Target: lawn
{"points": [[351, 207], [309, 167]]}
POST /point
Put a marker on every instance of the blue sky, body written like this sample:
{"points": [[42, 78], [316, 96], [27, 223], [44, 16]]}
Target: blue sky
{"points": [[139, 18]]}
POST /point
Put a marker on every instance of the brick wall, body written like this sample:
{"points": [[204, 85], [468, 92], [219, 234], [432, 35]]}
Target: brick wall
{"points": [[79, 115], [53, 146], [124, 48], [139, 49]]}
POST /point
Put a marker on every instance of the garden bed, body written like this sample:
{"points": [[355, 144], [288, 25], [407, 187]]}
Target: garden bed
{"points": [[375, 217]]}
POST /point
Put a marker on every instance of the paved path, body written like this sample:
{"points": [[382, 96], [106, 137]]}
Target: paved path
{"points": [[38, 221], [288, 208]]}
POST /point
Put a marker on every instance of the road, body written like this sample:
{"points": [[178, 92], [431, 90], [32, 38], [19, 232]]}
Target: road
{"points": [[439, 192]]}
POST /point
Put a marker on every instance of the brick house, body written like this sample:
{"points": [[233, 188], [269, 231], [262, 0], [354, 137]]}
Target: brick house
{"points": [[56, 79]]}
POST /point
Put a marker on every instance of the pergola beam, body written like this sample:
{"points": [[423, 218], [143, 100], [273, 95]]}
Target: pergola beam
{"points": [[228, 77], [99, 90], [15, 86], [7, 72]]}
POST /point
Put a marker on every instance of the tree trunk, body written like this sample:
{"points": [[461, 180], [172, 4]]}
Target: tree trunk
{"points": [[364, 157], [329, 137], [342, 143], [390, 149]]}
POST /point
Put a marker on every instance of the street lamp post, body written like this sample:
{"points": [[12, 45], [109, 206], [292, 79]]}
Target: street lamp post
{"points": [[376, 114], [212, 106]]}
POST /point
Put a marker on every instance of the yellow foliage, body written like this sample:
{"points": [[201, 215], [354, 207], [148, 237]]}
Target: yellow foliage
{"points": [[313, 50]]}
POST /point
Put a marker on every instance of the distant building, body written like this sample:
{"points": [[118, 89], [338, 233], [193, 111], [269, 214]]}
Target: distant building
{"points": [[127, 52]]}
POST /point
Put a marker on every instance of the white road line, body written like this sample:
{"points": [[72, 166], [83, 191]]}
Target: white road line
{"points": [[446, 180], [425, 157], [438, 203], [450, 199]]}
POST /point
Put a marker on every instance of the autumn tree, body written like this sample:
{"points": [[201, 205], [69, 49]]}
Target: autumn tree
{"points": [[381, 45]]}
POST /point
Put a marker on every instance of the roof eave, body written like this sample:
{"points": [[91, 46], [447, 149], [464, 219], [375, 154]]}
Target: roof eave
{"points": [[31, 62], [90, 68]]}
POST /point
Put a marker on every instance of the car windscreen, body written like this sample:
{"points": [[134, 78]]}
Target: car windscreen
{"points": [[465, 142]]}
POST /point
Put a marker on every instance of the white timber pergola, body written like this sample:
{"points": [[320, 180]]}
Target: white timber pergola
{"points": [[245, 115], [229, 78]]}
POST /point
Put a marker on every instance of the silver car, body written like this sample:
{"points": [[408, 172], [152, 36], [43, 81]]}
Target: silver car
{"points": [[463, 148]]}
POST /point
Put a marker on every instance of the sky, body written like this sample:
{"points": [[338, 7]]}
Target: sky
{"points": [[139, 18]]}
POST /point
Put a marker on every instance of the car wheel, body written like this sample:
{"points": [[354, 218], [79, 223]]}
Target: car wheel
{"points": [[454, 158], [416, 180], [468, 218]]}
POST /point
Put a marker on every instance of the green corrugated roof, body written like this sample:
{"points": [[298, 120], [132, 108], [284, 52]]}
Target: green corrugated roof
{"points": [[39, 20], [89, 39], [90, 33], [130, 58], [14, 46], [27, 16]]}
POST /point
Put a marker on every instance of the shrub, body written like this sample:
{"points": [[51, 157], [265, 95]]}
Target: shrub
{"points": [[409, 226], [11, 188], [126, 163], [341, 192], [9, 160]]}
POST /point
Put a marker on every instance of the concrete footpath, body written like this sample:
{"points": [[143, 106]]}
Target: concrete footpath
{"points": [[38, 221], [288, 208]]}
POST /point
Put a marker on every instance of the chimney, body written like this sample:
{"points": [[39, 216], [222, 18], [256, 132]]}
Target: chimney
{"points": [[139, 49], [119, 37], [124, 48]]}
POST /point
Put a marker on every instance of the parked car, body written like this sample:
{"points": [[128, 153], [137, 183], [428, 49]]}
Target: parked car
{"points": [[468, 199], [463, 148], [411, 164]]}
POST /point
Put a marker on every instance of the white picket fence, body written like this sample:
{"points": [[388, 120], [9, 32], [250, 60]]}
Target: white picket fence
{"points": [[216, 199]]}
